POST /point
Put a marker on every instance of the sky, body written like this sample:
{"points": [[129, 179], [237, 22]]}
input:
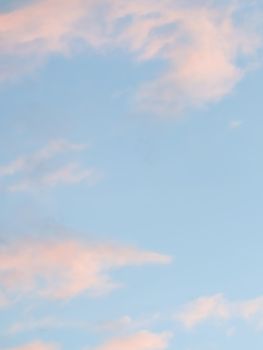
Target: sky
{"points": [[131, 175]]}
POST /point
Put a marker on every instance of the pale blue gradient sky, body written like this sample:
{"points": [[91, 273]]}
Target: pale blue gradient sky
{"points": [[188, 186]]}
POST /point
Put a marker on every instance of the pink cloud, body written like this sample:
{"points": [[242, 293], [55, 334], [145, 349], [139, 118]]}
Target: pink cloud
{"points": [[140, 341], [65, 269], [218, 308], [35, 346], [201, 45], [202, 309], [143, 340], [251, 308]]}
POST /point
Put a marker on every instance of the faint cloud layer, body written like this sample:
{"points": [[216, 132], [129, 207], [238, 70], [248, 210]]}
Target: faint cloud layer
{"points": [[64, 269], [202, 45], [36, 346], [140, 341], [123, 325], [39, 170], [235, 124], [128, 323], [143, 340], [217, 308]]}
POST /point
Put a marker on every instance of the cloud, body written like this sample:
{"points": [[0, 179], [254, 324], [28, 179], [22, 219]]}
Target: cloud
{"points": [[218, 308], [201, 45], [128, 323], [235, 124], [123, 325], [39, 170], [144, 340], [31, 324], [250, 309], [61, 270], [67, 175], [35, 325], [3, 300], [36, 346], [203, 309], [27, 163]]}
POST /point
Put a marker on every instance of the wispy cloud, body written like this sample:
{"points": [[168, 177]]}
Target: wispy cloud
{"points": [[3, 300], [38, 345], [67, 175], [235, 124], [64, 269], [144, 340], [47, 323], [123, 325], [201, 45], [218, 308], [27, 163], [35, 325], [203, 309], [128, 323], [38, 170]]}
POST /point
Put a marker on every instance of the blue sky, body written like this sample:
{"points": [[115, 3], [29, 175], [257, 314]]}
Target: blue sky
{"points": [[131, 175]]}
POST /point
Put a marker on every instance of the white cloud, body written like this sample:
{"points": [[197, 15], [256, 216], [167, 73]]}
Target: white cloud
{"points": [[38, 170], [27, 163], [67, 175], [128, 323]]}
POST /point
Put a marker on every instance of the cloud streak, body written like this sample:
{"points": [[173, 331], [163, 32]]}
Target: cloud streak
{"points": [[39, 171], [218, 308], [201, 45], [144, 340], [36, 346], [62, 270], [27, 163]]}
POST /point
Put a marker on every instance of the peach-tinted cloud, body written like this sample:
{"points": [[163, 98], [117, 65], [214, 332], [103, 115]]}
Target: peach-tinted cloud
{"points": [[144, 340], [201, 45], [119, 326], [218, 308], [39, 171], [35, 325], [40, 27], [202, 309], [64, 269], [128, 323], [36, 346], [251, 308]]}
